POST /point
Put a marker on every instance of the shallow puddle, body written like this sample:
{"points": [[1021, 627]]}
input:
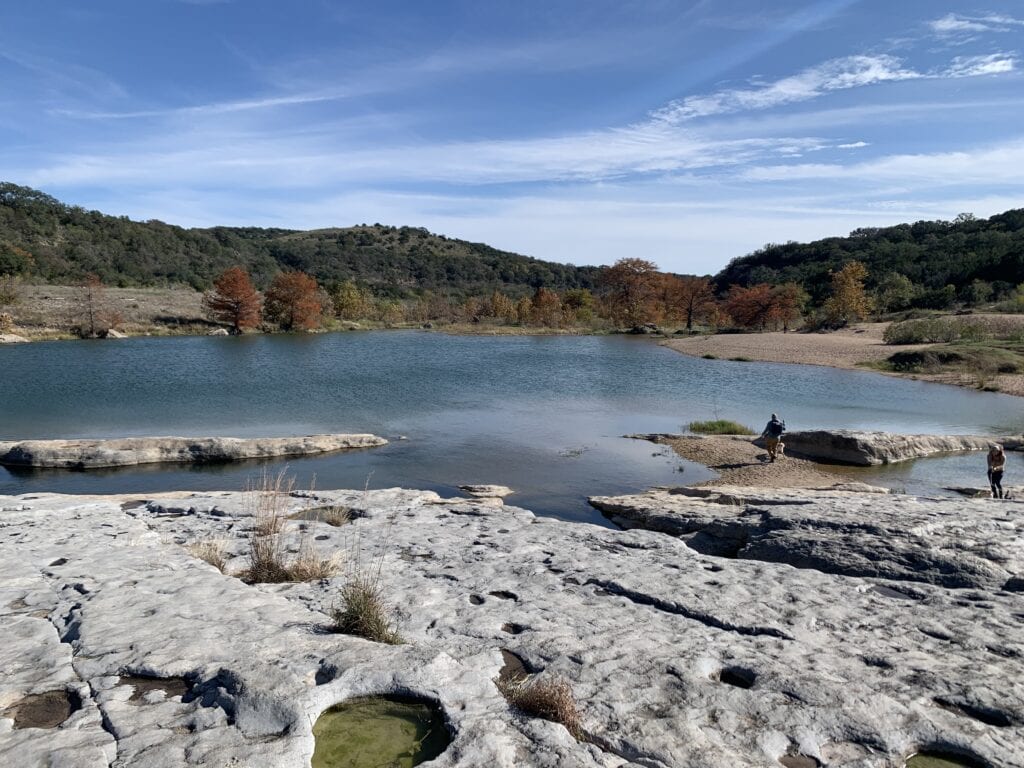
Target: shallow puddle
{"points": [[44, 710], [333, 516], [379, 732], [940, 760]]}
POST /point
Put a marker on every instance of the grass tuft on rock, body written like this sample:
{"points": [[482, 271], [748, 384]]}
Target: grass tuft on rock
{"points": [[549, 698], [211, 551], [719, 427], [269, 560], [364, 611]]}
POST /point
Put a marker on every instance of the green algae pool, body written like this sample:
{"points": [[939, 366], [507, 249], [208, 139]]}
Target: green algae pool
{"points": [[379, 732]]}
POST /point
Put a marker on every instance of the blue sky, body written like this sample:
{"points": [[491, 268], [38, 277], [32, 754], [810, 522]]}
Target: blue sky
{"points": [[687, 133]]}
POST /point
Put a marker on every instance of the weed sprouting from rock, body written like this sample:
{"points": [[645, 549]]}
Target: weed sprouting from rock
{"points": [[548, 698], [364, 611]]}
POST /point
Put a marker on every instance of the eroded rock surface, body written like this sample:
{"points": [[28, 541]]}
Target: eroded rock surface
{"points": [[677, 658], [874, 448], [89, 454], [949, 542]]}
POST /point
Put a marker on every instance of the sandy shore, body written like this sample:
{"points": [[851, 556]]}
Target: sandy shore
{"points": [[846, 348], [739, 462]]}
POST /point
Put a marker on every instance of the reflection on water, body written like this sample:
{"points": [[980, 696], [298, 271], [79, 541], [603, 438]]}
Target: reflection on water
{"points": [[543, 415]]}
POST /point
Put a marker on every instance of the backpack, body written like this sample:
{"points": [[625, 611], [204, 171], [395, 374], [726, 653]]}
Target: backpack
{"points": [[776, 428]]}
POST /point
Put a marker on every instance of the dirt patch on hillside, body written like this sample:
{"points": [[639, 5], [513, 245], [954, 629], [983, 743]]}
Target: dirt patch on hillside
{"points": [[54, 311]]}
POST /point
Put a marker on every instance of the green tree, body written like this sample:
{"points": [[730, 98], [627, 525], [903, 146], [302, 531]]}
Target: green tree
{"points": [[894, 292]]}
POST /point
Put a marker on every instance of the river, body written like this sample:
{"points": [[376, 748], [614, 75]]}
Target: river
{"points": [[543, 415]]}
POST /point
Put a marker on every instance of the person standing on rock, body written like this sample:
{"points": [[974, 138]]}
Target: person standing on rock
{"points": [[996, 464], [772, 435]]}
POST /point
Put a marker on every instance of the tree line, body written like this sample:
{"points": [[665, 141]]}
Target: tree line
{"points": [[395, 275]]}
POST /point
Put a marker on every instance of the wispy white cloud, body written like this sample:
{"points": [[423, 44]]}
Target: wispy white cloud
{"points": [[972, 66], [214, 108], [989, 165], [853, 145], [834, 75], [954, 24], [74, 80]]}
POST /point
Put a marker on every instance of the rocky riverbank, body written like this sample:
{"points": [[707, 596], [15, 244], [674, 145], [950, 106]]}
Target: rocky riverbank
{"points": [[129, 451], [761, 628]]}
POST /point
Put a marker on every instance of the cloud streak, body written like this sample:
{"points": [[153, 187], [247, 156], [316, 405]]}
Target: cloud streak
{"points": [[839, 74], [953, 24]]}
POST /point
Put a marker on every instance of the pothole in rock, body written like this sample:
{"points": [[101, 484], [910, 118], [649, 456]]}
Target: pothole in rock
{"points": [[513, 670], [476, 600], [334, 516], [895, 594], [736, 676], [379, 731], [939, 759], [502, 594], [172, 687], [44, 710], [410, 556], [799, 761], [513, 629]]}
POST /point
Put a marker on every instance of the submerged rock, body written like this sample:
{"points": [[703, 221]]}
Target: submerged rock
{"points": [[676, 657], [487, 491], [89, 454]]}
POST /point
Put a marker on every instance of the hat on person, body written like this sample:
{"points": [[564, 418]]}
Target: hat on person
{"points": [[774, 416]]}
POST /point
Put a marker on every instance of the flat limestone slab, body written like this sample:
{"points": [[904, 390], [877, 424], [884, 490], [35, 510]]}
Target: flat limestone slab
{"points": [[677, 657], [874, 448], [123, 452]]}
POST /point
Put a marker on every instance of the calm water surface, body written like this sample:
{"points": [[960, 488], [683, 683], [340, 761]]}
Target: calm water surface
{"points": [[543, 415]]}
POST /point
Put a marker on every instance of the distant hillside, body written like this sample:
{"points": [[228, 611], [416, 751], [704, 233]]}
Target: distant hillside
{"points": [[58, 243], [933, 254]]}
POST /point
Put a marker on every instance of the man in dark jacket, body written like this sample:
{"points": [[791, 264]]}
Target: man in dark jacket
{"points": [[773, 436]]}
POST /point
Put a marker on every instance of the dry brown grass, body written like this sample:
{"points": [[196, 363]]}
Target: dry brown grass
{"points": [[210, 550], [364, 611], [550, 698], [269, 559]]}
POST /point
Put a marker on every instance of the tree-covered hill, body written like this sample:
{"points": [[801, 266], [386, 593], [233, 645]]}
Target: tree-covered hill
{"points": [[46, 240], [932, 254]]}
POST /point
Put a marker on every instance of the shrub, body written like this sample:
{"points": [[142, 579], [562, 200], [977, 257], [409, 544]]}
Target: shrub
{"points": [[719, 427], [949, 329], [551, 699], [364, 612]]}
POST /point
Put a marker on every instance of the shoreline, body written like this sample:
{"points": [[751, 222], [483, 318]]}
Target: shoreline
{"points": [[739, 462], [857, 348]]}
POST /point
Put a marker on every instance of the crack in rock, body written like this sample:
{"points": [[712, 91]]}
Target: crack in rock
{"points": [[707, 619]]}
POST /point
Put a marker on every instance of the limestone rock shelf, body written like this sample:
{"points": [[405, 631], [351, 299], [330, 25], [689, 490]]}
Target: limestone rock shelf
{"points": [[93, 454], [864, 653]]}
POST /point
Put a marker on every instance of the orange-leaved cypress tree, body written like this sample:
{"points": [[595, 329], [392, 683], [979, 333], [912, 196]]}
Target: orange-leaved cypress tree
{"points": [[293, 301], [234, 300]]}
